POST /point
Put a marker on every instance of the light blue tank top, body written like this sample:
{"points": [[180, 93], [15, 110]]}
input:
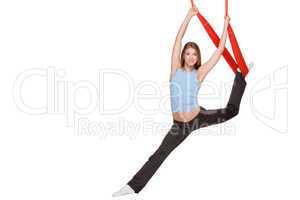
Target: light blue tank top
{"points": [[184, 87]]}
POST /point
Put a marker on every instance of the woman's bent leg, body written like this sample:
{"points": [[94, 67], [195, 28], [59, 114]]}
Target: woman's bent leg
{"points": [[216, 116], [174, 137]]}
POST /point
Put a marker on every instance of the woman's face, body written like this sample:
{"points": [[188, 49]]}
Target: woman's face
{"points": [[190, 57]]}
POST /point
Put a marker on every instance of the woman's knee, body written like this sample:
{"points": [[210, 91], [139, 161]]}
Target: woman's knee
{"points": [[232, 110]]}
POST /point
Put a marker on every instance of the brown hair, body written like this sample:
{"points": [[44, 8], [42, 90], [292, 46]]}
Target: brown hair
{"points": [[194, 46]]}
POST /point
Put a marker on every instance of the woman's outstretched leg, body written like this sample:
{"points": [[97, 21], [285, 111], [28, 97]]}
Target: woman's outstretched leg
{"points": [[174, 137]]}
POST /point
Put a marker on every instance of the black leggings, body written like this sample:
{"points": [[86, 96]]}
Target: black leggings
{"points": [[180, 130]]}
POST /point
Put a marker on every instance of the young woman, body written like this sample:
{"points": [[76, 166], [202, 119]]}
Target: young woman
{"points": [[187, 74]]}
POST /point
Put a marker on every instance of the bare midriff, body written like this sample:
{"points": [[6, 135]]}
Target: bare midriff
{"points": [[186, 116]]}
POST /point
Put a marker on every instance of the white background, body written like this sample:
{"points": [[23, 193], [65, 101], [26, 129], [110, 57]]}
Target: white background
{"points": [[44, 156]]}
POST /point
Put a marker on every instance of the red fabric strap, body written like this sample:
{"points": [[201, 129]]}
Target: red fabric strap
{"points": [[234, 44], [237, 52], [215, 38]]}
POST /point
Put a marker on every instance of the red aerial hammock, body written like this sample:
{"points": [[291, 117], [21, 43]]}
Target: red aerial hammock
{"points": [[240, 62]]}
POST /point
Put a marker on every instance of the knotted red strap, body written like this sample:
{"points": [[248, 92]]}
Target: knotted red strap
{"points": [[234, 44]]}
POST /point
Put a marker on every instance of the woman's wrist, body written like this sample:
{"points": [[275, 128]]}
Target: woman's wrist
{"points": [[192, 11], [226, 20], [226, 24]]}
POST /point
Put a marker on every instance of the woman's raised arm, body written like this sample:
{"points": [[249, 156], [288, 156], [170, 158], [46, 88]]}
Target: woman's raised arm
{"points": [[207, 66], [175, 62]]}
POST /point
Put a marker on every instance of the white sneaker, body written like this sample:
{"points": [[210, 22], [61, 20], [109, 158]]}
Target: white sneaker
{"points": [[124, 191]]}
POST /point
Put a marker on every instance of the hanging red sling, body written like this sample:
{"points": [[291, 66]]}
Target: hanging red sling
{"points": [[240, 62]]}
